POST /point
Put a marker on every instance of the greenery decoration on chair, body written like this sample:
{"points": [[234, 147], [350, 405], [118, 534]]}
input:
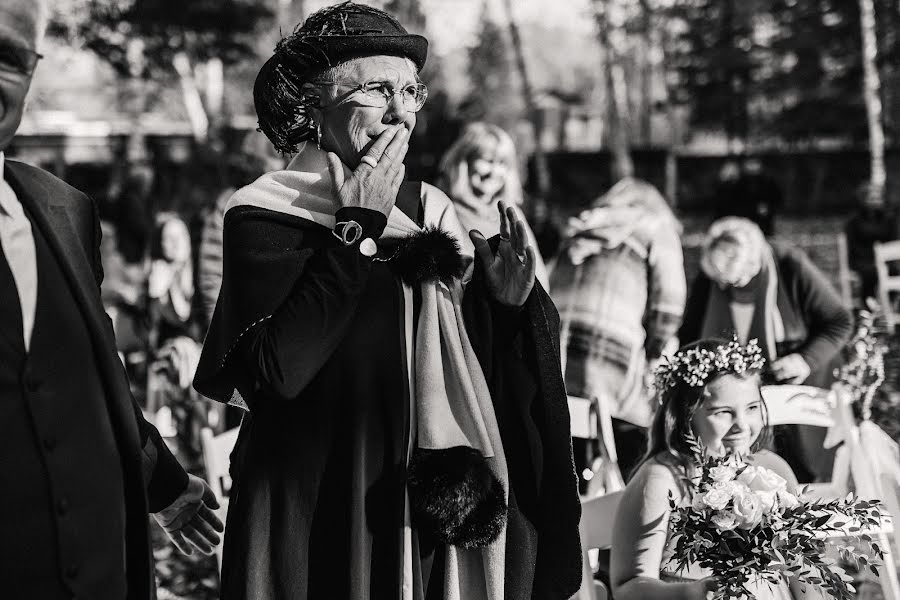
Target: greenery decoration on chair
{"points": [[863, 370]]}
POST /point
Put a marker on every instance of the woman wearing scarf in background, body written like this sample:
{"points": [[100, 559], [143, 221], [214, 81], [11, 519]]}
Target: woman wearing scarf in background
{"points": [[620, 288], [478, 172], [774, 293], [407, 435]]}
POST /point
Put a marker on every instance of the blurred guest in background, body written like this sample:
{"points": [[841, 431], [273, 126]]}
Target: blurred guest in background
{"points": [[771, 292], [872, 222], [479, 171], [133, 210], [619, 285], [747, 190], [170, 283], [243, 168], [173, 332], [79, 466]]}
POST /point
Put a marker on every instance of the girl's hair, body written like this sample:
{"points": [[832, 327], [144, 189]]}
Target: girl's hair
{"points": [[484, 140], [671, 426]]}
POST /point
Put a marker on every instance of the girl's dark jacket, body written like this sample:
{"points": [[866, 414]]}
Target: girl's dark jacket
{"points": [[310, 333]]}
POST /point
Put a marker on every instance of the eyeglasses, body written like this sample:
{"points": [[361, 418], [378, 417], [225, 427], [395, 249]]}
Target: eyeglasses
{"points": [[379, 94], [17, 59]]}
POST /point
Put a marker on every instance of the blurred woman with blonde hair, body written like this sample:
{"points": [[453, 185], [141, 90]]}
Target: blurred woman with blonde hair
{"points": [[478, 172]]}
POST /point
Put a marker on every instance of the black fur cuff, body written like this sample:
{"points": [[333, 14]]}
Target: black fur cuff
{"points": [[428, 254], [455, 497]]}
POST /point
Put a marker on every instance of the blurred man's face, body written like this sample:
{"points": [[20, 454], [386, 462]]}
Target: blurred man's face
{"points": [[19, 33]]}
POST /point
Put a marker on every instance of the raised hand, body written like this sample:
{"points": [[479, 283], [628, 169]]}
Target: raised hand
{"points": [[510, 270], [373, 187]]}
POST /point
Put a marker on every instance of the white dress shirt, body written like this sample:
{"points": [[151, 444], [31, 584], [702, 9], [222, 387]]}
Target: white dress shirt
{"points": [[18, 246]]}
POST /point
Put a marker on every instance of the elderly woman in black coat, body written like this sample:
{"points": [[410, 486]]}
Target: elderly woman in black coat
{"points": [[407, 434]]}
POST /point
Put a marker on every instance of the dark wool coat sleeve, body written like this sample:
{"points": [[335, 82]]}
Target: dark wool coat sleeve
{"points": [[519, 353], [694, 309], [280, 339], [165, 479], [828, 321]]}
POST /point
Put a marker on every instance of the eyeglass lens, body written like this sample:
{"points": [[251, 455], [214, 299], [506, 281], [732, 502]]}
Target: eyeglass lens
{"points": [[15, 59], [412, 96]]}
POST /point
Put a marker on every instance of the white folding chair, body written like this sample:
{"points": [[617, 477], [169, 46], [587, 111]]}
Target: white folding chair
{"points": [[591, 419], [885, 253], [598, 515], [805, 405], [799, 405], [216, 452]]}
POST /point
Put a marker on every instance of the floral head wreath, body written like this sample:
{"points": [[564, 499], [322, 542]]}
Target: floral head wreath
{"points": [[695, 365]]}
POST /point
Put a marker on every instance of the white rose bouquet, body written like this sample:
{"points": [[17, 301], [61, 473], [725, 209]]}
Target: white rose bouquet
{"points": [[743, 524]]}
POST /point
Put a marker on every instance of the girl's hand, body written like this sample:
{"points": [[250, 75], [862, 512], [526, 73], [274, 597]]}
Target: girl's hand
{"points": [[703, 589], [371, 187], [510, 272]]}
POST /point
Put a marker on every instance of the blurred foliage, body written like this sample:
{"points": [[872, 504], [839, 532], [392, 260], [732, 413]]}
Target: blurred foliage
{"points": [[493, 94], [140, 38], [785, 68], [409, 13]]}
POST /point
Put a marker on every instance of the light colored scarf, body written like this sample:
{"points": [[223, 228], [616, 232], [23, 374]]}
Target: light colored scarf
{"points": [[755, 257], [451, 402]]}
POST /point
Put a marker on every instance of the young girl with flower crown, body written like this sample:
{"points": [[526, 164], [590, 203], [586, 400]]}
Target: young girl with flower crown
{"points": [[709, 391]]}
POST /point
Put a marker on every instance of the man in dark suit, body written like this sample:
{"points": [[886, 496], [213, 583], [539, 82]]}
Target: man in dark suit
{"points": [[79, 467]]}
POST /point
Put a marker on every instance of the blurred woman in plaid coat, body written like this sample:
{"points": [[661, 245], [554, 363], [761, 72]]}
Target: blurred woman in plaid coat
{"points": [[619, 285]]}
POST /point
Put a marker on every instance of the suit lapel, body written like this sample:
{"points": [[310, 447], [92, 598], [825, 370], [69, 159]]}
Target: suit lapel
{"points": [[51, 216]]}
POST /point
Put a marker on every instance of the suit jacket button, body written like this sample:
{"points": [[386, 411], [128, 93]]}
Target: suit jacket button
{"points": [[62, 507], [31, 385], [49, 444], [72, 571]]}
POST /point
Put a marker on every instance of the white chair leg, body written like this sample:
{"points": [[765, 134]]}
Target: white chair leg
{"points": [[890, 585]]}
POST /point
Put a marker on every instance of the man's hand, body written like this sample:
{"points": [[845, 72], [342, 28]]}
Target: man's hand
{"points": [[190, 518], [792, 368]]}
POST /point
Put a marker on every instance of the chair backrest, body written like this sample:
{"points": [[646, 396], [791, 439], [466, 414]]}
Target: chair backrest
{"points": [[216, 450], [885, 253], [592, 419], [799, 405], [598, 515]]}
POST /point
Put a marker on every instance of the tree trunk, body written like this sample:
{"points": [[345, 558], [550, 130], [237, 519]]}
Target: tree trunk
{"points": [[872, 94], [193, 104], [290, 13], [536, 117], [615, 86], [662, 40]]}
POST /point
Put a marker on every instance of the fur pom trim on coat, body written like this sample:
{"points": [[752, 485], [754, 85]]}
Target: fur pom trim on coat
{"points": [[456, 497]]}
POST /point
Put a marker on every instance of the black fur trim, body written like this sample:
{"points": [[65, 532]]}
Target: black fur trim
{"points": [[456, 497], [428, 254]]}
